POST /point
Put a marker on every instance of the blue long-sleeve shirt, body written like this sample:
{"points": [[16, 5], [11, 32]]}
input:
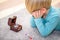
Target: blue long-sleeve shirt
{"points": [[46, 25]]}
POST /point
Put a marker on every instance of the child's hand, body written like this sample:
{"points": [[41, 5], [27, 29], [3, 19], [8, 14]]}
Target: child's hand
{"points": [[37, 14]]}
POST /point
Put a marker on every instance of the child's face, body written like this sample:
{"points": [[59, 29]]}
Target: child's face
{"points": [[39, 13], [43, 10]]}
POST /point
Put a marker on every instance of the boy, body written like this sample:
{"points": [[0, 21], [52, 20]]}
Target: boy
{"points": [[44, 17]]}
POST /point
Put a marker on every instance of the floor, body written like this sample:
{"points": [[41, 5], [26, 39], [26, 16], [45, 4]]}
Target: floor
{"points": [[11, 10], [23, 18]]}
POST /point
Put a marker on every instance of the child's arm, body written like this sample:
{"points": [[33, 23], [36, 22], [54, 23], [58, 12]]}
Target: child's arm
{"points": [[32, 22], [46, 29]]}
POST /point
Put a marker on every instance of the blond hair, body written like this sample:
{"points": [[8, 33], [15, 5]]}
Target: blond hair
{"points": [[33, 5]]}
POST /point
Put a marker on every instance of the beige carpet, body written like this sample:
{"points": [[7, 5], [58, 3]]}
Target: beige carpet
{"points": [[23, 18]]}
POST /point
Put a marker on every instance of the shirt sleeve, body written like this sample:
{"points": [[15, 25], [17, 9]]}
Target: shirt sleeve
{"points": [[49, 26], [32, 22]]}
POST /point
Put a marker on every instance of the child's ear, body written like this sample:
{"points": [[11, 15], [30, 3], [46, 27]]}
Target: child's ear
{"points": [[43, 10]]}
